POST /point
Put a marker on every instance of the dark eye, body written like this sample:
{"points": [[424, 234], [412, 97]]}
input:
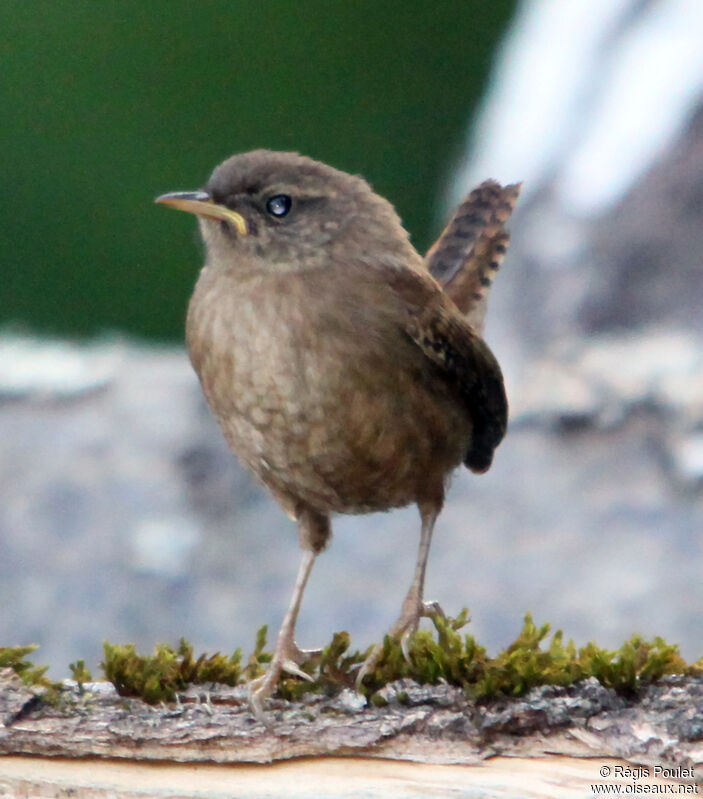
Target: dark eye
{"points": [[279, 205]]}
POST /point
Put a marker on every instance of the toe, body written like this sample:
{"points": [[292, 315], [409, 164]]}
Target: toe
{"points": [[406, 625], [368, 665], [432, 610], [300, 656], [292, 668], [262, 687], [405, 644]]}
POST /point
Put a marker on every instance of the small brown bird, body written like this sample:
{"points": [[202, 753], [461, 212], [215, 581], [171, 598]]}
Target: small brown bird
{"points": [[343, 374]]}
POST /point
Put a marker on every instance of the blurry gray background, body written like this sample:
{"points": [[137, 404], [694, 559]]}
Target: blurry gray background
{"points": [[122, 514]]}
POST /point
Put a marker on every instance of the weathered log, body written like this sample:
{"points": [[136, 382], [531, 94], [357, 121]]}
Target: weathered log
{"points": [[528, 743]]}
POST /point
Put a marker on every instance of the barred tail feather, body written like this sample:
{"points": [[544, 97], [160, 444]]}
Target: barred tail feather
{"points": [[471, 249]]}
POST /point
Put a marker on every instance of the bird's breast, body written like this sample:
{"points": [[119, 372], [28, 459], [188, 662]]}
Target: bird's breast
{"points": [[327, 402]]}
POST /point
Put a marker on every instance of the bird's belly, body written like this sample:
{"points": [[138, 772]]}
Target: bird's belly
{"points": [[345, 444], [341, 428]]}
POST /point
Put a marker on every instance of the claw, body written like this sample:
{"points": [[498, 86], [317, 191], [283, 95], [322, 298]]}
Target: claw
{"points": [[292, 668], [368, 665], [406, 625], [405, 645]]}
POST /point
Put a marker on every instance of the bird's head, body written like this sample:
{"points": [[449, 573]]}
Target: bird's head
{"points": [[285, 212]]}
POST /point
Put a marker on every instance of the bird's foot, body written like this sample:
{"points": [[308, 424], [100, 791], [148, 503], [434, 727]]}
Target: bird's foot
{"points": [[297, 656], [413, 610], [288, 658]]}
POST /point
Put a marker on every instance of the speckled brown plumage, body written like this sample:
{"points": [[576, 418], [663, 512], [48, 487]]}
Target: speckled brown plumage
{"points": [[342, 374]]}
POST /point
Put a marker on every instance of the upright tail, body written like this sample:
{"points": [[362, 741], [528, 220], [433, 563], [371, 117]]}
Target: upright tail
{"points": [[470, 250]]}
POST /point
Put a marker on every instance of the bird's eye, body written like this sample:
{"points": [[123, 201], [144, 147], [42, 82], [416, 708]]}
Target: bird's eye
{"points": [[279, 205]]}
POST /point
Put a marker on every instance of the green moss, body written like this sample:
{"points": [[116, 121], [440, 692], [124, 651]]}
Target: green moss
{"points": [[338, 666], [529, 661], [79, 672], [15, 658], [259, 659], [158, 677], [444, 653], [636, 662]]}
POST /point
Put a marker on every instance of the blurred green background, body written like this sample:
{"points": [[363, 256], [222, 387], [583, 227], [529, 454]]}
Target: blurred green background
{"points": [[108, 104]]}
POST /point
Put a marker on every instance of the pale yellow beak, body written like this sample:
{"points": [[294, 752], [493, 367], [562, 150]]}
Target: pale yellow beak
{"points": [[200, 203]]}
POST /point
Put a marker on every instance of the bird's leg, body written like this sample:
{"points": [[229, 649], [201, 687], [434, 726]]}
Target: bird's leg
{"points": [[314, 531], [414, 607], [287, 656]]}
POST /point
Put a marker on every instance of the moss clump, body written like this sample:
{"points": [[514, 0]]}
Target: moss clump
{"points": [[158, 677], [337, 668], [637, 662], [529, 661], [15, 658], [80, 673], [443, 653]]}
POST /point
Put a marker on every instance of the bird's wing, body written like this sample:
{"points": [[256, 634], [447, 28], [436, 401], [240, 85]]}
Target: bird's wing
{"points": [[469, 252], [438, 328]]}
